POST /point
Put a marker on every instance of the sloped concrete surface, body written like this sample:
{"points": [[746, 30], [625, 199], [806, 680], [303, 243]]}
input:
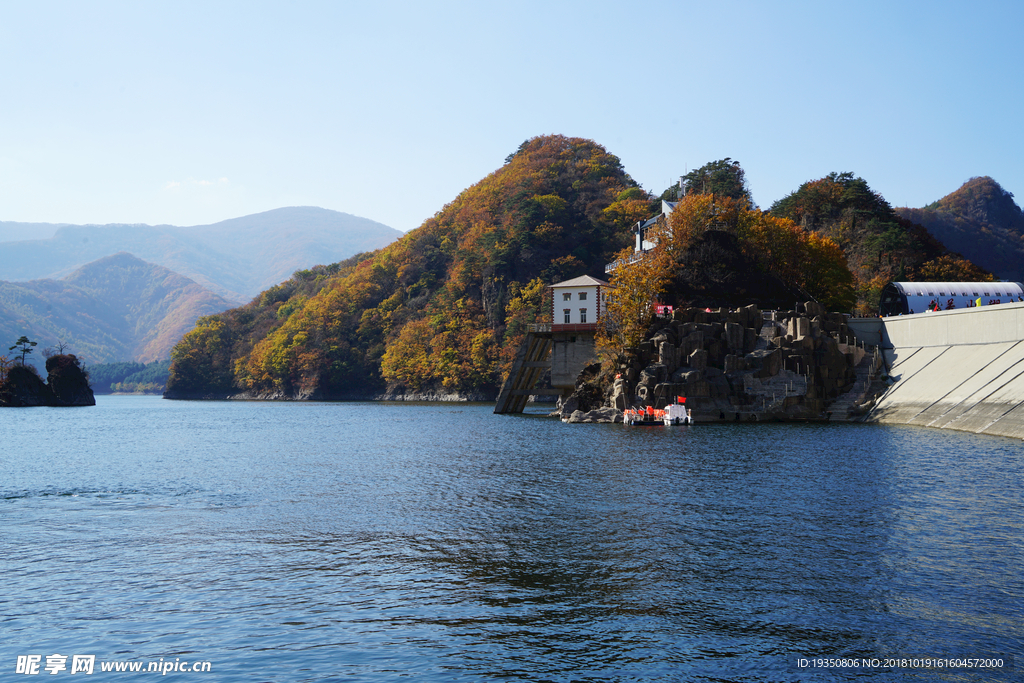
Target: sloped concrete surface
{"points": [[960, 370]]}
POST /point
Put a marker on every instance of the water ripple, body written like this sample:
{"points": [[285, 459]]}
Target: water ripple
{"points": [[313, 542]]}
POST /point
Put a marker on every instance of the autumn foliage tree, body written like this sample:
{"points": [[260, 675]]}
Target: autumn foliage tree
{"points": [[635, 285], [951, 268], [810, 262]]}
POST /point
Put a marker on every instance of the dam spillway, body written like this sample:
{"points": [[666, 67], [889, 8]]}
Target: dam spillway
{"points": [[961, 369]]}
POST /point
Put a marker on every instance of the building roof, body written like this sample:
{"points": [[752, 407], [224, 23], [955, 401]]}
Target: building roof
{"points": [[666, 208], [581, 281], [930, 288]]}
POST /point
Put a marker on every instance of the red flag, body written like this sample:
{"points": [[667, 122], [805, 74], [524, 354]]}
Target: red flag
{"points": [[681, 399]]}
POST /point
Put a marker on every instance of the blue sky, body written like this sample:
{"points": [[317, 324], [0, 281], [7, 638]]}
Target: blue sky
{"points": [[189, 113]]}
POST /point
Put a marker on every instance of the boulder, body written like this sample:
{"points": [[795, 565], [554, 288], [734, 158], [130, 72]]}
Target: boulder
{"points": [[654, 373], [609, 415], [668, 355], [799, 327], [768, 363], [692, 342], [733, 363], [749, 339], [734, 336], [814, 309], [567, 406], [716, 352], [698, 389], [752, 317], [679, 374], [718, 386], [620, 394]]}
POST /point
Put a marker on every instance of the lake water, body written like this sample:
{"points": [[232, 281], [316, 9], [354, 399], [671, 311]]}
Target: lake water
{"points": [[379, 542]]}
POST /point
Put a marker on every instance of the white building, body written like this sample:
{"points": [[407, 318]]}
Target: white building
{"points": [[643, 241], [640, 230], [577, 304]]}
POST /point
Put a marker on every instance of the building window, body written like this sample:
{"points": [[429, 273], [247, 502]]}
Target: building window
{"points": [[567, 318], [583, 296], [567, 296], [583, 315]]}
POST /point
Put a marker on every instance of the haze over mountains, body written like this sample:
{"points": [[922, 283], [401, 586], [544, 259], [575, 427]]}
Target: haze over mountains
{"points": [[117, 308], [236, 258]]}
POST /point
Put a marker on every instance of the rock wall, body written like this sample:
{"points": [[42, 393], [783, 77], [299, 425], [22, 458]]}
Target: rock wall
{"points": [[729, 365]]}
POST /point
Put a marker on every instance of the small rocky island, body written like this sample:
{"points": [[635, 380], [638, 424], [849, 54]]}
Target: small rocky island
{"points": [[735, 365], [67, 384]]}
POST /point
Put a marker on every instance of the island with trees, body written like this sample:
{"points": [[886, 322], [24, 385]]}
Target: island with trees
{"points": [[21, 386]]}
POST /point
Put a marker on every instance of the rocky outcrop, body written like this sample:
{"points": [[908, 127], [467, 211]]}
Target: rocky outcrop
{"points": [[68, 382], [67, 385], [588, 395], [738, 364], [24, 388], [597, 415]]}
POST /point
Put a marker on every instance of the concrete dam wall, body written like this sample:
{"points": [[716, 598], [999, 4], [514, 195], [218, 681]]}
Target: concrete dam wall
{"points": [[960, 369]]}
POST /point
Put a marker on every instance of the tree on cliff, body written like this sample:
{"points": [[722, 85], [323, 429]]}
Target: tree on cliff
{"points": [[22, 346], [722, 178]]}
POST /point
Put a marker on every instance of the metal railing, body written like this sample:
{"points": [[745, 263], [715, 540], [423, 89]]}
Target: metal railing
{"points": [[637, 255], [556, 327]]}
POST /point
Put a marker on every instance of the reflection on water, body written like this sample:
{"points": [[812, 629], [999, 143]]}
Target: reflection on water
{"points": [[374, 542]]}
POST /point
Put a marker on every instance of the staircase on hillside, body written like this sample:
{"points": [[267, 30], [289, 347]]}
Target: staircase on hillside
{"points": [[842, 408]]}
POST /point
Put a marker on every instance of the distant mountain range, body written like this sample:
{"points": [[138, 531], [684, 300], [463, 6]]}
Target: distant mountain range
{"points": [[115, 309], [236, 258], [981, 221]]}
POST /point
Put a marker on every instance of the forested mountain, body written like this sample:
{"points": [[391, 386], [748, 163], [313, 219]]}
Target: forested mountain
{"points": [[236, 258], [981, 221], [441, 309], [879, 244], [115, 309]]}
